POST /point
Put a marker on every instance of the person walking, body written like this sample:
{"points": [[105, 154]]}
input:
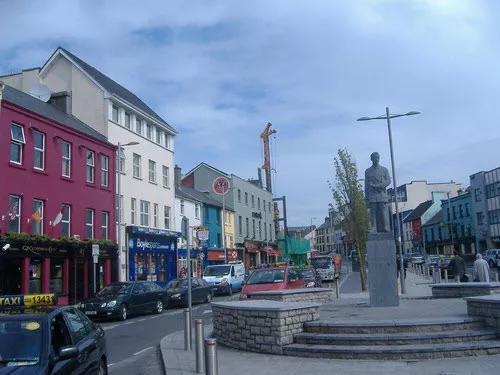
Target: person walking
{"points": [[458, 267], [481, 270]]}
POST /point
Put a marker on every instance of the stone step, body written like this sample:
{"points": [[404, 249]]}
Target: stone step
{"points": [[395, 338], [394, 326], [395, 352]]}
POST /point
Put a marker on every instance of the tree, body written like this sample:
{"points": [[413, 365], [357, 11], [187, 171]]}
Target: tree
{"points": [[349, 198]]}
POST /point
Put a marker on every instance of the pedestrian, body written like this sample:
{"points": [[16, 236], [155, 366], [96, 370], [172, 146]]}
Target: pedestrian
{"points": [[457, 265], [481, 270]]}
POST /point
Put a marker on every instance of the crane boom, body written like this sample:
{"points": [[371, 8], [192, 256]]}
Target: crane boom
{"points": [[267, 160]]}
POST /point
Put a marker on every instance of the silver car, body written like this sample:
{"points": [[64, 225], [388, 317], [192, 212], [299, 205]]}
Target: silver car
{"points": [[492, 256]]}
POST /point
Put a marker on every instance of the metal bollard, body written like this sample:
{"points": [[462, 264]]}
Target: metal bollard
{"points": [[496, 275], [198, 333], [337, 286], [187, 330], [445, 275], [211, 357]]}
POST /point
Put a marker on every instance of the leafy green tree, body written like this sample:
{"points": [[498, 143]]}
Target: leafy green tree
{"points": [[350, 201]]}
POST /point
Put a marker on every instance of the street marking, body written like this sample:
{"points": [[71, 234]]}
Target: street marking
{"points": [[143, 319], [111, 364], [110, 327], [207, 312], [129, 322], [143, 350]]}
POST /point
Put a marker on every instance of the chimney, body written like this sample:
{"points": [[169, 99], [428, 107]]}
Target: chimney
{"points": [[61, 100], [177, 176]]}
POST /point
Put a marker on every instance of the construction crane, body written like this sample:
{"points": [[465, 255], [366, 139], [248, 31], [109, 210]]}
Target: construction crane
{"points": [[267, 160]]}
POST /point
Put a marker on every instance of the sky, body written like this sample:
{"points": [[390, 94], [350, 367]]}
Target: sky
{"points": [[219, 71]]}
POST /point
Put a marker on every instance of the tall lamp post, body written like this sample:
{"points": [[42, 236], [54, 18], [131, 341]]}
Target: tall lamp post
{"points": [[119, 215], [388, 117]]}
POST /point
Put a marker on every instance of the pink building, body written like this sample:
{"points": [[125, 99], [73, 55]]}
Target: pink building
{"points": [[57, 182]]}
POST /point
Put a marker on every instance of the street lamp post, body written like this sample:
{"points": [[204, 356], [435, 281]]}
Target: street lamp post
{"points": [[388, 117], [119, 215]]}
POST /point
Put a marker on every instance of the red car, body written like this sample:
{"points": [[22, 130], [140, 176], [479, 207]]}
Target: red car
{"points": [[271, 278]]}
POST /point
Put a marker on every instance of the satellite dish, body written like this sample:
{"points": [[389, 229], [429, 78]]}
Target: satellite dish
{"points": [[41, 92]]}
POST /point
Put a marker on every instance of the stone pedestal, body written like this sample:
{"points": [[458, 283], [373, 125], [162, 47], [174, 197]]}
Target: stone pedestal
{"points": [[382, 270]]}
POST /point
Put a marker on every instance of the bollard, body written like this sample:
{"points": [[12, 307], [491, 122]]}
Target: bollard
{"points": [[496, 275], [211, 357], [187, 330], [445, 275], [198, 334], [337, 285]]}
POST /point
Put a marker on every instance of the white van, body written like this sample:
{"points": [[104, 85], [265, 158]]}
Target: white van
{"points": [[226, 278]]}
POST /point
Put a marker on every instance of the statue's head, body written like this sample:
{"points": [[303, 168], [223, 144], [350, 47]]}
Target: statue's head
{"points": [[375, 157]]}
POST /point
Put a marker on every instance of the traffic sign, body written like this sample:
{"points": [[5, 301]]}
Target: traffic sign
{"points": [[95, 249], [96, 259], [220, 185]]}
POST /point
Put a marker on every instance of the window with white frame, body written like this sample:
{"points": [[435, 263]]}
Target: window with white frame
{"points": [[247, 227], [37, 217], [240, 225], [39, 150], [182, 206], [137, 166], [246, 199], [17, 142], [89, 224], [239, 195], [152, 171], [127, 120], [253, 228], [66, 221], [159, 137], [104, 225], [66, 159], [165, 176], [90, 166], [258, 203], [14, 214], [121, 161], [144, 213], [155, 215], [260, 230], [166, 140], [166, 217], [197, 211], [133, 210], [114, 113], [138, 126], [253, 201], [149, 131], [104, 170]]}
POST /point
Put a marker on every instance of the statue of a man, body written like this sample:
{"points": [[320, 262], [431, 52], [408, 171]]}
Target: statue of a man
{"points": [[376, 181]]}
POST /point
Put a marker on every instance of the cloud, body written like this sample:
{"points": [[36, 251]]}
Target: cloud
{"points": [[218, 71]]}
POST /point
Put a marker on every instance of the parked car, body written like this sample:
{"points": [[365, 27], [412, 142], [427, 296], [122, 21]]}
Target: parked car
{"points": [[271, 278], [311, 278], [492, 256], [414, 258], [444, 264], [432, 261], [49, 340], [177, 291], [121, 299], [226, 278]]}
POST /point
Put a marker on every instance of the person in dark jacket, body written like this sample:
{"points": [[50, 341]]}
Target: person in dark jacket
{"points": [[457, 265]]}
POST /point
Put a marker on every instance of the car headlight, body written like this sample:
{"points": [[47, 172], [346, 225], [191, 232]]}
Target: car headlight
{"points": [[310, 284], [79, 305], [177, 295], [103, 304], [243, 296], [111, 304], [224, 280]]}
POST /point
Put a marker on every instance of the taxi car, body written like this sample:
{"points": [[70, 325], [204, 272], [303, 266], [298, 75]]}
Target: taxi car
{"points": [[271, 278], [37, 337]]}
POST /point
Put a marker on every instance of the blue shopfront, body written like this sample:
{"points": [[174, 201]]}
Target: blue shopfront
{"points": [[152, 254]]}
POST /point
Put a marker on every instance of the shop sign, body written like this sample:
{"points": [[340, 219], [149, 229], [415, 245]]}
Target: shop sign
{"points": [[153, 231], [145, 244], [48, 249], [251, 245], [257, 215]]}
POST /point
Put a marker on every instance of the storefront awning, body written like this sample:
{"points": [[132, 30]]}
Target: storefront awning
{"points": [[274, 253], [252, 251], [216, 255]]}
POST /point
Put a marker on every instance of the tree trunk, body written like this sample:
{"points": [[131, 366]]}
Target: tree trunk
{"points": [[362, 272]]}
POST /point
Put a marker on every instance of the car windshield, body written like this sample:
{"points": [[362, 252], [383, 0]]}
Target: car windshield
{"points": [[322, 262], [306, 273], [267, 277], [115, 289], [177, 284], [20, 342], [445, 261], [217, 270], [433, 260]]}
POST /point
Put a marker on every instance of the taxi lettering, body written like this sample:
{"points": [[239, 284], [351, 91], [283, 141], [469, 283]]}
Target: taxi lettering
{"points": [[29, 300], [10, 301]]}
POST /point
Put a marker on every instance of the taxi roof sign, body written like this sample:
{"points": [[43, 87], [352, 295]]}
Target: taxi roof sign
{"points": [[28, 300]]}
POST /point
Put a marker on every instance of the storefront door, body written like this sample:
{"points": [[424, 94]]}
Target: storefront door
{"points": [[10, 276]]}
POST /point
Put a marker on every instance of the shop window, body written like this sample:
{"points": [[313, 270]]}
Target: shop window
{"points": [[162, 268], [56, 275], [140, 267], [151, 267], [35, 276], [14, 213]]}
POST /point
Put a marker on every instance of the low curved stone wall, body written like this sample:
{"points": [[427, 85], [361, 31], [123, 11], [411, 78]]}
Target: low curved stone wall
{"points": [[304, 295], [485, 307], [458, 290], [260, 325]]}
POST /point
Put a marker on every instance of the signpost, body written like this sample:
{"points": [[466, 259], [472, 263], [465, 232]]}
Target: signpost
{"points": [[185, 235], [221, 186], [95, 255]]}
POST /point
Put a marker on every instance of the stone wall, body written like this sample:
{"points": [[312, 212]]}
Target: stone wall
{"points": [[306, 295], [458, 290], [260, 325], [485, 307]]}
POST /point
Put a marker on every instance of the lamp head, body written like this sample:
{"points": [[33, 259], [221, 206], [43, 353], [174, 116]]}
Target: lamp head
{"points": [[363, 119], [412, 113]]}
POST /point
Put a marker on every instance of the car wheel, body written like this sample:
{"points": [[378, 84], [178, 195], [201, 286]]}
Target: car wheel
{"points": [[123, 313], [159, 307], [209, 298], [230, 290], [103, 368]]}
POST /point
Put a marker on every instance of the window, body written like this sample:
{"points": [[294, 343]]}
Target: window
{"points": [[155, 215], [65, 221], [247, 227], [480, 218], [127, 120], [78, 329], [207, 216], [114, 113], [104, 170], [165, 176], [467, 213], [182, 206], [16, 143], [138, 126], [159, 137], [166, 214], [137, 166], [90, 166], [37, 217], [66, 159], [39, 147], [217, 217], [264, 205], [265, 231], [477, 195], [454, 212], [461, 211], [253, 228], [56, 275], [246, 199], [258, 203], [196, 211], [260, 230], [14, 214], [152, 171], [144, 213], [133, 210], [253, 201], [121, 165], [89, 224], [167, 140], [104, 225], [269, 206], [149, 131], [239, 195], [240, 225]]}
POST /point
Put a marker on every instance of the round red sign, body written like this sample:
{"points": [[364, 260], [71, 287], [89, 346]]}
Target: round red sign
{"points": [[221, 185]]}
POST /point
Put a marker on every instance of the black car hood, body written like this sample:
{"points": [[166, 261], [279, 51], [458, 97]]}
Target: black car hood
{"points": [[22, 370], [106, 298]]}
